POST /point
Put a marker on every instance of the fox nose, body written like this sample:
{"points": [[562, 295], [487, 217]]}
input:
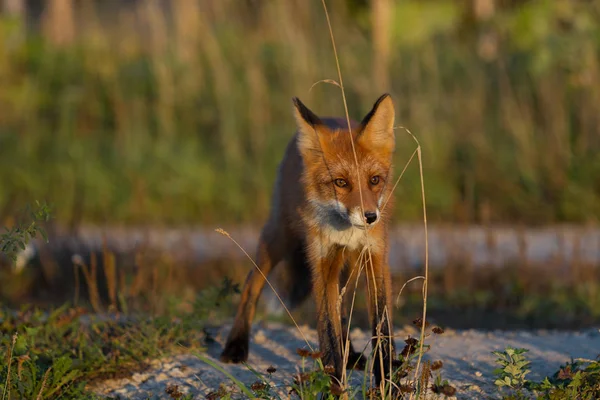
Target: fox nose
{"points": [[370, 217]]}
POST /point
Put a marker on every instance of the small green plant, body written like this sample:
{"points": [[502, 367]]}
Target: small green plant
{"points": [[576, 380], [442, 387], [513, 369], [16, 238], [315, 383]]}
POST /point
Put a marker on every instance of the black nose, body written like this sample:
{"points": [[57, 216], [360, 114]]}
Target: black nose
{"points": [[370, 217]]}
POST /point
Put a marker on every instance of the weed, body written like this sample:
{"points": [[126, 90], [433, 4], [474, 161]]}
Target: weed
{"points": [[314, 380], [442, 387], [579, 379], [513, 369], [576, 380], [16, 238]]}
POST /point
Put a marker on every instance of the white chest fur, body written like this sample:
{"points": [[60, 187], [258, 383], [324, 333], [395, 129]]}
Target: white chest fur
{"points": [[352, 238]]}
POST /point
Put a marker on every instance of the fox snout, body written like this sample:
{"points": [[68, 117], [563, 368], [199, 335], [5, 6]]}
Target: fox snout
{"points": [[370, 217], [360, 219]]}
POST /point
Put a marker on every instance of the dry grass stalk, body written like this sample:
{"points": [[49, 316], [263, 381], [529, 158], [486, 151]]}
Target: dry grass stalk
{"points": [[110, 271], [90, 275], [44, 380]]}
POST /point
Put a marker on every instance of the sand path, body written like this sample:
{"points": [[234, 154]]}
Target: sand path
{"points": [[468, 362]]}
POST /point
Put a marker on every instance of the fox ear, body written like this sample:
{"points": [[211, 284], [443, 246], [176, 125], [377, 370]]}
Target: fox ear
{"points": [[378, 125], [308, 124]]}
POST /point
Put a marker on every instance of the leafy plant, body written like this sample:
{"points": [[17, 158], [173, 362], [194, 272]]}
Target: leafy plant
{"points": [[513, 368], [579, 379], [16, 238], [315, 383]]}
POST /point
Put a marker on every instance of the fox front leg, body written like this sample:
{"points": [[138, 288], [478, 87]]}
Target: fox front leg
{"points": [[380, 313], [326, 270], [270, 250]]}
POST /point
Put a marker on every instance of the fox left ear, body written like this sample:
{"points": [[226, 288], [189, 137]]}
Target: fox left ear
{"points": [[378, 125]]}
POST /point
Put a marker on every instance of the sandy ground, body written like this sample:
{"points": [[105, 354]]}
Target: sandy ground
{"points": [[468, 362]]}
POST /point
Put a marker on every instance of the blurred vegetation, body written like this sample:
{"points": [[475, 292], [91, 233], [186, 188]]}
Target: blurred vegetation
{"points": [[16, 239], [147, 116]]}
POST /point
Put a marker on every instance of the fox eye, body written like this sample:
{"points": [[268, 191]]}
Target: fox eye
{"points": [[340, 182], [374, 180]]}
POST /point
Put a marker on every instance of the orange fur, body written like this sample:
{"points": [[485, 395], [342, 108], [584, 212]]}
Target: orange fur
{"points": [[326, 212]]}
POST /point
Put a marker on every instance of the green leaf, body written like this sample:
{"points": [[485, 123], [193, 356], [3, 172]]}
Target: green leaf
{"points": [[499, 382], [546, 384], [31, 331]]}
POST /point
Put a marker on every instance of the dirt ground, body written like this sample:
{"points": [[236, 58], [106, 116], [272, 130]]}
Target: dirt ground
{"points": [[468, 361]]}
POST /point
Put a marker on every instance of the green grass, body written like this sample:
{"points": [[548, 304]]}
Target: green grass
{"points": [[55, 353], [187, 125]]}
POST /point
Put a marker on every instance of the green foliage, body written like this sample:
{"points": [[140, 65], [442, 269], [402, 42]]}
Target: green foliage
{"points": [[50, 378], [56, 353], [578, 379], [313, 382], [16, 238], [118, 127], [513, 369], [417, 22]]}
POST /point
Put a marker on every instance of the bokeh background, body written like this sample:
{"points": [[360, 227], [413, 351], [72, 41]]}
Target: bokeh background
{"points": [[178, 111], [153, 113]]}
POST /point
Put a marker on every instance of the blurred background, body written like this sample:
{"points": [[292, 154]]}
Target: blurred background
{"points": [[143, 116]]}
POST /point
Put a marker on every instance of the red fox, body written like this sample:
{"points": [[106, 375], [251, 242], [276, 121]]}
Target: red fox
{"points": [[330, 191]]}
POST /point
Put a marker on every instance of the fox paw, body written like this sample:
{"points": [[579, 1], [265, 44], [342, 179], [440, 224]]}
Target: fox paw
{"points": [[236, 351]]}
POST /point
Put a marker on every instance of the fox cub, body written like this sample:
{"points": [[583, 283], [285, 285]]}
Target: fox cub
{"points": [[331, 203]]}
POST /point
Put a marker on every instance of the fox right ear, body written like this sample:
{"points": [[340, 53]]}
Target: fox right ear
{"points": [[308, 123], [378, 125]]}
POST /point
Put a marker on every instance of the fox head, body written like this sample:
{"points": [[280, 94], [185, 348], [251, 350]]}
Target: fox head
{"points": [[346, 171]]}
